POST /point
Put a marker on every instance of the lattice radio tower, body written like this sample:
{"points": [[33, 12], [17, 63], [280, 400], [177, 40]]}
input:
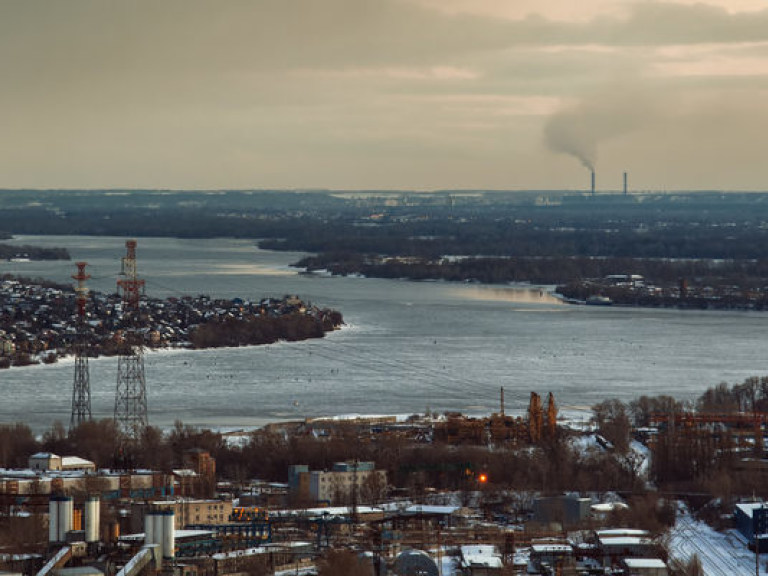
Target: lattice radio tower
{"points": [[81, 389], [131, 395]]}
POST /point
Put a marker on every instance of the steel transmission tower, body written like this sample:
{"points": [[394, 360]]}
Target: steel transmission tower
{"points": [[131, 396], [81, 389]]}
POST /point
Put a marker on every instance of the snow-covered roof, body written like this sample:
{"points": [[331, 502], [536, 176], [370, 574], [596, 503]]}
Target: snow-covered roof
{"points": [[330, 511], [624, 541], [421, 509], [139, 536], [749, 507], [259, 550], [39, 455], [621, 532], [481, 555], [609, 506], [75, 461], [550, 548], [644, 563]]}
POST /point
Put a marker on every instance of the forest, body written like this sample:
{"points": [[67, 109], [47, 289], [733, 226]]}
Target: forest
{"points": [[552, 224], [541, 270]]}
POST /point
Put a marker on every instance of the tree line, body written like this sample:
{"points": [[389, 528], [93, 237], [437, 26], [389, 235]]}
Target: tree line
{"points": [[541, 270]]}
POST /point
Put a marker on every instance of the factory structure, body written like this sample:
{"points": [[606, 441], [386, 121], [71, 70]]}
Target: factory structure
{"points": [[593, 184], [137, 524]]}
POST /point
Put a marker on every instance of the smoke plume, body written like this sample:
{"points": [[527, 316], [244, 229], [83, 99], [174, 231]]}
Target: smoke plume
{"points": [[578, 131], [569, 133]]}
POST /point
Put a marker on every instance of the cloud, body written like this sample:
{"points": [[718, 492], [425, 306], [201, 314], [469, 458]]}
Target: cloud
{"points": [[365, 93]]}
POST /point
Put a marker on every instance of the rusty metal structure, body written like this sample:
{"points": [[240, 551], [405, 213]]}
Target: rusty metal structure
{"points": [[551, 416], [535, 418], [746, 428]]}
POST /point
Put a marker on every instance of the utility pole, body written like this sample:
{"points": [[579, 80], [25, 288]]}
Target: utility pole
{"points": [[757, 547], [356, 464], [81, 389], [131, 393]]}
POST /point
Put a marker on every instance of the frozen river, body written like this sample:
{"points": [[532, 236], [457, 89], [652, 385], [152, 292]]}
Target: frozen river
{"points": [[407, 346]]}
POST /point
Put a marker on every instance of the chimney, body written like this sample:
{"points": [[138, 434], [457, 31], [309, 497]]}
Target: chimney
{"points": [[625, 183], [593, 182]]}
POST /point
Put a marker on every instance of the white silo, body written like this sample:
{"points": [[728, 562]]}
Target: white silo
{"points": [[92, 519], [157, 531], [149, 528], [66, 508], [169, 534], [53, 519]]}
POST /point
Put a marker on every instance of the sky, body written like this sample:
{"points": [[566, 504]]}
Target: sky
{"points": [[384, 94]]}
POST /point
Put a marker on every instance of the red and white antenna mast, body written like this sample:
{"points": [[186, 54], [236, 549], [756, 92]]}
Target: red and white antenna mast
{"points": [[81, 389], [131, 394], [131, 285]]}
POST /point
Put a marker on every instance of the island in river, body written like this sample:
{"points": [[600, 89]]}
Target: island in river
{"points": [[39, 321], [25, 252], [647, 282]]}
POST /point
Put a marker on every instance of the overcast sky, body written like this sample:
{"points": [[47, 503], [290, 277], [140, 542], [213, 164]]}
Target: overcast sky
{"points": [[364, 94]]}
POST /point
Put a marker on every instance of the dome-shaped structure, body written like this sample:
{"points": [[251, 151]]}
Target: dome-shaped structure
{"points": [[415, 563]]}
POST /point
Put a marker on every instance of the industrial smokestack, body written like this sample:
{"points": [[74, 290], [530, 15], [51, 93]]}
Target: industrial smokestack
{"points": [[593, 182], [625, 183]]}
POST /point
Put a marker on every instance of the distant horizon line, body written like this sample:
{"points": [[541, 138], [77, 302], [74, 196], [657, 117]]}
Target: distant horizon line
{"points": [[587, 191]]}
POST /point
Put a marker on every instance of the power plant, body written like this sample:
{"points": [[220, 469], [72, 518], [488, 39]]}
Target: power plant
{"points": [[592, 187]]}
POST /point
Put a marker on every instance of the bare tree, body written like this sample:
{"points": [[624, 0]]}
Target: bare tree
{"points": [[16, 444], [23, 534], [373, 489], [613, 423], [343, 563]]}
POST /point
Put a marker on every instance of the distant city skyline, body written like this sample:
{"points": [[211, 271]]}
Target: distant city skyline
{"points": [[384, 94]]}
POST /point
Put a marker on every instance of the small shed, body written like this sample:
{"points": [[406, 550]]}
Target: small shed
{"points": [[645, 567]]}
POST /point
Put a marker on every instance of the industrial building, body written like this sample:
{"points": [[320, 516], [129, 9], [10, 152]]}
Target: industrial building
{"points": [[566, 510], [46, 461], [107, 484], [345, 482], [752, 521]]}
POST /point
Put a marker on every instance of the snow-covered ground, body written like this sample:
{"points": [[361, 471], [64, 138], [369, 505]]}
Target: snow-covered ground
{"points": [[721, 553]]}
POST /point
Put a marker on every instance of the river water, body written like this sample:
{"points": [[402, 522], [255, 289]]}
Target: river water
{"points": [[407, 346]]}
